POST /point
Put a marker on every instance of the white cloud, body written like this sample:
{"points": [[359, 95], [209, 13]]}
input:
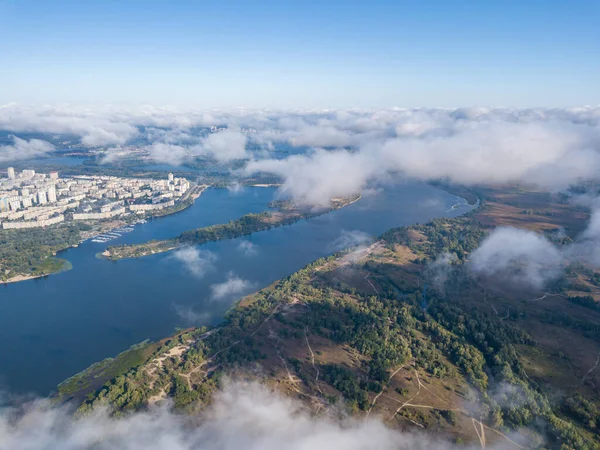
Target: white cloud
{"points": [[225, 145], [549, 154], [316, 178], [191, 317], [94, 127], [587, 247], [170, 153], [197, 262], [247, 248], [23, 149], [521, 256], [244, 415], [235, 187], [439, 270], [547, 147], [234, 286], [527, 257], [348, 239]]}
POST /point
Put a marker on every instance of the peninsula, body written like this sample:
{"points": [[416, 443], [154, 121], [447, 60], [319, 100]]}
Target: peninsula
{"points": [[281, 213]]}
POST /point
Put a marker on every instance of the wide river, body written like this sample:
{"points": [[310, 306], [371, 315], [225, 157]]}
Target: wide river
{"points": [[54, 327]]}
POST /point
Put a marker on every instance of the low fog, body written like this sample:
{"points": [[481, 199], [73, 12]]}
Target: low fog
{"points": [[24, 149], [244, 415], [528, 258], [522, 256]]}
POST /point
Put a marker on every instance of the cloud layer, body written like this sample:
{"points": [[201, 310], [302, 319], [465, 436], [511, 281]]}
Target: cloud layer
{"points": [[340, 151], [244, 415], [522, 256], [23, 149], [547, 153], [528, 258]]}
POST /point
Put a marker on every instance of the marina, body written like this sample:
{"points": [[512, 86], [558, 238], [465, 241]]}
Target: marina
{"points": [[116, 232]]}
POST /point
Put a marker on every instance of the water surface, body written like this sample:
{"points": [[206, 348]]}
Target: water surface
{"points": [[54, 327]]}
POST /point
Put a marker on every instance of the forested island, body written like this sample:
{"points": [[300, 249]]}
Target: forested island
{"points": [[375, 330], [31, 253], [281, 213]]}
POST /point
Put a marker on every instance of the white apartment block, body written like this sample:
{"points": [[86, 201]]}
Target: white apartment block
{"points": [[31, 199]]}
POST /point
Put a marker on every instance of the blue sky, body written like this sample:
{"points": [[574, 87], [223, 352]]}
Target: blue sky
{"points": [[301, 54]]}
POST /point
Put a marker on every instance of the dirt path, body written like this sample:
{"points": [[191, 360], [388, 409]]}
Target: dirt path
{"points": [[291, 378], [479, 426], [372, 285], [479, 431], [383, 389], [409, 400], [590, 371], [312, 357]]}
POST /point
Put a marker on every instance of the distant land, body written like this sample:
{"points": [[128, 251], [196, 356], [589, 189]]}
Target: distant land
{"points": [[376, 331]]}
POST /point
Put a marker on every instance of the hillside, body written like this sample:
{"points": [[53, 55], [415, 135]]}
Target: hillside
{"points": [[384, 331]]}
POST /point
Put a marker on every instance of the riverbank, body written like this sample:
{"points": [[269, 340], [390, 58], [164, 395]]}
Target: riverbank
{"points": [[96, 228], [244, 226], [65, 265], [185, 202], [109, 307], [19, 278]]}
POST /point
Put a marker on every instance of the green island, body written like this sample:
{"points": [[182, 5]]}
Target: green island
{"points": [[281, 213], [31, 253], [376, 331]]}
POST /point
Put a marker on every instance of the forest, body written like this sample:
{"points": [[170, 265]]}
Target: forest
{"points": [[30, 252]]}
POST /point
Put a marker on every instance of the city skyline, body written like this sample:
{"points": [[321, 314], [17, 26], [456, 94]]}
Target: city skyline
{"points": [[81, 197]]}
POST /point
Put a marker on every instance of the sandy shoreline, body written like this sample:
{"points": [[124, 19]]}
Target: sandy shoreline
{"points": [[18, 278]]}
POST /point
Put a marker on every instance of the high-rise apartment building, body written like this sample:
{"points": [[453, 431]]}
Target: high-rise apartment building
{"points": [[52, 194], [11, 173], [42, 197]]}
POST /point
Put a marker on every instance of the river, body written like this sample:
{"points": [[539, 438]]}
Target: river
{"points": [[54, 327]]}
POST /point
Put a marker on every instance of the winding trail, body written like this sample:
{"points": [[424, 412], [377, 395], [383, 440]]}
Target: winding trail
{"points": [[479, 426], [312, 357], [546, 294], [590, 371], [372, 285], [383, 389], [291, 378], [480, 432], [409, 400]]}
